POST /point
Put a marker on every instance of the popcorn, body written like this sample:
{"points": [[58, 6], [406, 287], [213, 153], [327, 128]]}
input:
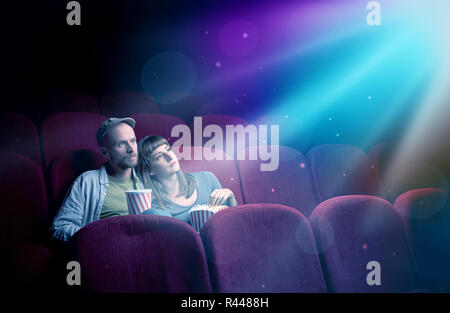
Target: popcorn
{"points": [[202, 212]]}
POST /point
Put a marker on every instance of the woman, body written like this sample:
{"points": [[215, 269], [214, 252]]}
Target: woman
{"points": [[173, 192]]}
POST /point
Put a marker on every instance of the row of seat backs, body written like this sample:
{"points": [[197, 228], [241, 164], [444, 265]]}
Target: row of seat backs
{"points": [[25, 198], [251, 248], [70, 131], [299, 181]]}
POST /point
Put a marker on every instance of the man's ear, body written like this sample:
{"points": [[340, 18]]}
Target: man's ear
{"points": [[103, 152]]}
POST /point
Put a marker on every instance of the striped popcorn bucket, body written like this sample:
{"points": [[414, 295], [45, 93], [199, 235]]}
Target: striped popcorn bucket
{"points": [[138, 200], [200, 214]]}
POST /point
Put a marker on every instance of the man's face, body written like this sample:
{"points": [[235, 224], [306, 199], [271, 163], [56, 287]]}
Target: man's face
{"points": [[120, 146]]}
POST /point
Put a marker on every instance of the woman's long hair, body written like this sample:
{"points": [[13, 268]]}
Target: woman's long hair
{"points": [[145, 149]]}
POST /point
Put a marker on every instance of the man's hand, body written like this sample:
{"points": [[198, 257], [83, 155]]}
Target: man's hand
{"points": [[222, 197]]}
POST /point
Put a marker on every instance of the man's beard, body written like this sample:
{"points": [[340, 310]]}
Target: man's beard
{"points": [[125, 164]]}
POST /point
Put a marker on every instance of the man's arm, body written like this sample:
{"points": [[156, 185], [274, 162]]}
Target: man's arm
{"points": [[69, 218]]}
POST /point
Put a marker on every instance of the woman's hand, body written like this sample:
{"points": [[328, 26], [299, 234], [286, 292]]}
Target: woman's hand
{"points": [[222, 197]]}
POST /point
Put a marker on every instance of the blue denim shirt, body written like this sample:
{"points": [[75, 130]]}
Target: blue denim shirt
{"points": [[83, 203]]}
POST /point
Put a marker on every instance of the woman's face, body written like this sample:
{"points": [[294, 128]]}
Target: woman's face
{"points": [[164, 162]]}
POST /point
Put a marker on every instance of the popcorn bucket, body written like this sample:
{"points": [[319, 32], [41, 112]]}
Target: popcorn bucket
{"points": [[199, 214], [138, 200]]}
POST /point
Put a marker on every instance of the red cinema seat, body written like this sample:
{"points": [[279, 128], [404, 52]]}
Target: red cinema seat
{"points": [[362, 245], [24, 199], [339, 170], [67, 167], [63, 132], [141, 253], [19, 135], [261, 248], [289, 184], [426, 217], [156, 124]]}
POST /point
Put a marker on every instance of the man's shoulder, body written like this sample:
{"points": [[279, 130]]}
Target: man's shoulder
{"points": [[91, 175]]}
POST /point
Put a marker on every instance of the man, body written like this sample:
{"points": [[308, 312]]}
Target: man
{"points": [[101, 193]]}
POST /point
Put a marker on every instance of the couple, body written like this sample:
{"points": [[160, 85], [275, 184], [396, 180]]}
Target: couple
{"points": [[151, 164]]}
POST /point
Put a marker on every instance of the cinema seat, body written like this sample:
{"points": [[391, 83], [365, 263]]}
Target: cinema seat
{"points": [[156, 124], [24, 199], [25, 263], [426, 217], [339, 170], [140, 253], [67, 167], [126, 103], [225, 170], [261, 248], [63, 132], [351, 232], [19, 135], [405, 175], [290, 184]]}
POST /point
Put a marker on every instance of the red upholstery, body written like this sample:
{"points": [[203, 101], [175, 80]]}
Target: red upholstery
{"points": [[341, 170], [352, 231], [156, 124], [19, 135], [291, 184], [63, 132], [426, 217], [261, 248], [121, 104], [141, 253], [67, 167], [24, 198]]}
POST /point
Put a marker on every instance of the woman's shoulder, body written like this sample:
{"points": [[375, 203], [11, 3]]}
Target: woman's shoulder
{"points": [[203, 176]]}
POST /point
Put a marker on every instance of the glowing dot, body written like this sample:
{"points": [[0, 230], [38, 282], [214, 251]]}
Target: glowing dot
{"points": [[262, 286], [232, 179], [389, 191], [364, 246], [243, 94], [273, 190], [263, 141], [206, 32], [274, 89], [394, 254], [236, 100], [302, 165], [421, 203], [369, 97], [245, 35], [345, 174], [337, 134], [286, 116], [202, 56], [373, 166], [218, 64], [330, 118], [260, 67]]}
